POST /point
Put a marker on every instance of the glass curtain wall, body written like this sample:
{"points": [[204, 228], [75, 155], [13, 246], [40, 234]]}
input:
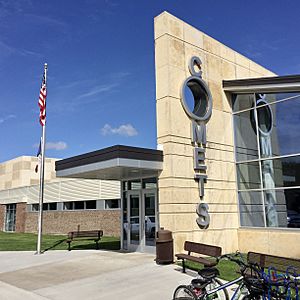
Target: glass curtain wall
{"points": [[267, 147]]}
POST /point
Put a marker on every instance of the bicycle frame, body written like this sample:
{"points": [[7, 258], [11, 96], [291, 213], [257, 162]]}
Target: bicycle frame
{"points": [[237, 292]]}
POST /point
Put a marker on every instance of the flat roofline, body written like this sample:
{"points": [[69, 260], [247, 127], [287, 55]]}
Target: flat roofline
{"points": [[109, 153], [289, 83]]}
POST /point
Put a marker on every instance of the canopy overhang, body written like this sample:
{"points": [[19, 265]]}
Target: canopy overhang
{"points": [[112, 163], [290, 83]]}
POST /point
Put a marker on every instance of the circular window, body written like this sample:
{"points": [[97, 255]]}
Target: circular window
{"points": [[196, 99]]}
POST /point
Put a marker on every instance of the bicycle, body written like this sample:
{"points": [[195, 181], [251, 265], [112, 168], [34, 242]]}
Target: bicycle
{"points": [[281, 285], [207, 286]]}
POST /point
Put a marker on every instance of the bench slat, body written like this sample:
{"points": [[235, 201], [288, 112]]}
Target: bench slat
{"points": [[204, 249], [89, 233], [201, 260], [277, 262]]}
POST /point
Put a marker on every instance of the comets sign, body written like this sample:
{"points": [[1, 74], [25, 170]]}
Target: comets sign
{"points": [[196, 100]]}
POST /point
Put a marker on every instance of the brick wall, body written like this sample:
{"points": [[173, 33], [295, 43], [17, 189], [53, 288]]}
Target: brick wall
{"points": [[64, 221], [20, 217], [2, 216]]}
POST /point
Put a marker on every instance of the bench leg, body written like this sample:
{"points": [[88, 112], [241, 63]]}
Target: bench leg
{"points": [[183, 266], [97, 245], [69, 246]]}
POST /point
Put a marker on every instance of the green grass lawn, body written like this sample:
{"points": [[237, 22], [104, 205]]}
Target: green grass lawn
{"points": [[11, 241]]}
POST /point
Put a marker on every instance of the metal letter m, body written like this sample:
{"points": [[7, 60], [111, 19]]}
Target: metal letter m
{"points": [[198, 133]]}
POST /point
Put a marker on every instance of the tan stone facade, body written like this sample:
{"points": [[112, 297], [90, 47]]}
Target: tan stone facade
{"points": [[175, 43], [19, 172], [63, 222], [268, 240]]}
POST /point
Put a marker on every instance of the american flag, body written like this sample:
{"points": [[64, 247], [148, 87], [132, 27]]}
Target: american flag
{"points": [[42, 102]]}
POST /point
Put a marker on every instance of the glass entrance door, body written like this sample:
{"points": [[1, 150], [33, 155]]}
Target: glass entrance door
{"points": [[10, 218], [149, 215], [140, 221], [134, 222]]}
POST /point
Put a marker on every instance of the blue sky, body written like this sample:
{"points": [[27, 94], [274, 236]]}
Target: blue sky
{"points": [[101, 79]]}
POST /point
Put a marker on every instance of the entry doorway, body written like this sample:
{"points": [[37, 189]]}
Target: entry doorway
{"points": [[139, 219], [10, 217]]}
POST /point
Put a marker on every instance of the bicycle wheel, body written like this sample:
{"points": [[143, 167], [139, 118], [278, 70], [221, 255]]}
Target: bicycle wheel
{"points": [[221, 294], [184, 292]]}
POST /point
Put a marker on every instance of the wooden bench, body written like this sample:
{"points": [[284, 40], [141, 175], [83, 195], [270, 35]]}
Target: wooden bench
{"points": [[94, 235], [193, 249], [280, 264]]}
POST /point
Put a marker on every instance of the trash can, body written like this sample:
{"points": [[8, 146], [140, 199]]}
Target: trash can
{"points": [[164, 247]]}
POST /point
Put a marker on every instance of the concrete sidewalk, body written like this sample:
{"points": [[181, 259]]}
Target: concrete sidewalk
{"points": [[87, 274]]}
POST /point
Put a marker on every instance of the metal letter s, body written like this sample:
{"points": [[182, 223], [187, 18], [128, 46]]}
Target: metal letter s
{"points": [[204, 218]]}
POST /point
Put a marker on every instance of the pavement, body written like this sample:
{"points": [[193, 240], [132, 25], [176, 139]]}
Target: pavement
{"points": [[87, 274]]}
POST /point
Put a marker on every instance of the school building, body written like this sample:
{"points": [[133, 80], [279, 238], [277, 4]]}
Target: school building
{"points": [[226, 168]]}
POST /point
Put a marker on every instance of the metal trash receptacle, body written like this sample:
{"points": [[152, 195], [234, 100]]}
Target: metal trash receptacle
{"points": [[164, 247]]}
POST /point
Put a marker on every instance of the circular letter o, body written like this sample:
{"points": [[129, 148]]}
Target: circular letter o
{"points": [[202, 99]]}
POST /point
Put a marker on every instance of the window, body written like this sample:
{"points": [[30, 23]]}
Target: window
{"points": [[245, 137], [138, 184], [134, 185], [112, 204], [10, 217], [68, 205], [35, 207], [90, 204], [150, 183], [80, 205], [267, 147], [46, 206], [52, 206]]}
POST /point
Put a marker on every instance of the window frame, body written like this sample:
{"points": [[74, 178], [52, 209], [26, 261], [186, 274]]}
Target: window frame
{"points": [[260, 159]]}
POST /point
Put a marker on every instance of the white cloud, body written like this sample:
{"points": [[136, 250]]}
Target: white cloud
{"points": [[98, 90], [119, 75], [56, 145], [4, 119], [7, 50], [124, 130], [74, 84]]}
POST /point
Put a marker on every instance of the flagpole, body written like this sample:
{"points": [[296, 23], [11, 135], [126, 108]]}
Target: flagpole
{"points": [[42, 171]]}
